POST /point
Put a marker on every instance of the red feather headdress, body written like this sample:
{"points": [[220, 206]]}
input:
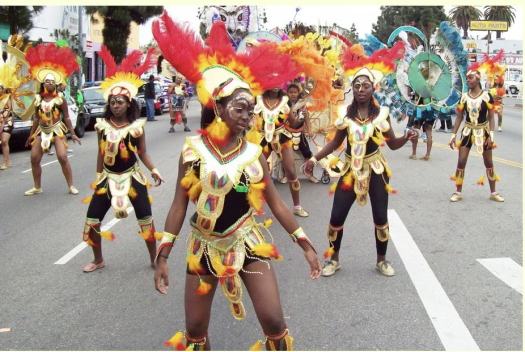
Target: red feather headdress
{"points": [[48, 61], [125, 79], [209, 66], [489, 68], [382, 62]]}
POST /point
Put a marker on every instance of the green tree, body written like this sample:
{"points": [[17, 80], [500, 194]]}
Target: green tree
{"points": [[500, 13], [424, 18], [462, 15], [117, 20], [19, 18]]}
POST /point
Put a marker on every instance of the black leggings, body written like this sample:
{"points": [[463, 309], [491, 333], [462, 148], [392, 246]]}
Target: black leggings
{"points": [[343, 201], [101, 203], [304, 147]]}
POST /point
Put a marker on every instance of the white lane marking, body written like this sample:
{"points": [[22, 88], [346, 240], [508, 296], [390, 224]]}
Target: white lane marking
{"points": [[507, 270], [449, 326], [83, 244], [51, 162]]}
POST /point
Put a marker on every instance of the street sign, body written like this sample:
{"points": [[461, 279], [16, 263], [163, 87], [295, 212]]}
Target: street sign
{"points": [[489, 26], [89, 49]]}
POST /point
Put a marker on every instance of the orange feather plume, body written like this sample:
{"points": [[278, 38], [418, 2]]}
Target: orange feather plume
{"points": [[176, 341], [204, 287], [108, 235], [194, 264], [267, 250], [314, 66], [329, 252], [332, 188]]}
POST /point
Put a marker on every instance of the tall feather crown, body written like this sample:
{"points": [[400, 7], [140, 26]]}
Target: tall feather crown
{"points": [[382, 62], [125, 79], [48, 61], [210, 64], [489, 67]]}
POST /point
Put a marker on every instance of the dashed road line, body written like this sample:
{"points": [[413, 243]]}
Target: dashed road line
{"points": [[449, 326], [83, 244], [507, 270]]}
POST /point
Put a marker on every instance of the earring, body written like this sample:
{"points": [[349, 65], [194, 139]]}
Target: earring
{"points": [[219, 120]]}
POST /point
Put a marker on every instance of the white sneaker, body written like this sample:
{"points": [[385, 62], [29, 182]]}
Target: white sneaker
{"points": [[33, 191], [331, 267], [73, 190], [385, 268], [300, 212]]}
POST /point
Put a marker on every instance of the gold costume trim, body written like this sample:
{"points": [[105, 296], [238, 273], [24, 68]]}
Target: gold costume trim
{"points": [[226, 253]]}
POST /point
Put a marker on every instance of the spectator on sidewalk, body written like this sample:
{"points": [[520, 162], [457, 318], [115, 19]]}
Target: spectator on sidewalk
{"points": [[149, 95]]}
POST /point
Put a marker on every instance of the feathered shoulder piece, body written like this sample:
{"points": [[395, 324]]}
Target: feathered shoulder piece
{"points": [[382, 62], [304, 52], [48, 61], [125, 79], [215, 62], [489, 67]]}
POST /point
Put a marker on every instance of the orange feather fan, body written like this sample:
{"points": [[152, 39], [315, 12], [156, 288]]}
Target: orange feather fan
{"points": [[383, 60], [315, 66]]}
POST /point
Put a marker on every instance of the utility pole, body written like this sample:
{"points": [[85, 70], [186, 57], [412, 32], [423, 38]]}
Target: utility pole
{"points": [[488, 43], [79, 82]]}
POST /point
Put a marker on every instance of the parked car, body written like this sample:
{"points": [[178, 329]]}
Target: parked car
{"points": [[514, 86], [161, 103], [22, 129], [94, 104]]}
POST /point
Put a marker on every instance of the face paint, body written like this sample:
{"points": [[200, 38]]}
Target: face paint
{"points": [[362, 84], [117, 101]]}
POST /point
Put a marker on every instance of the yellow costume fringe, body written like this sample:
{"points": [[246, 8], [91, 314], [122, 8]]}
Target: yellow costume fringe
{"points": [[255, 196]]}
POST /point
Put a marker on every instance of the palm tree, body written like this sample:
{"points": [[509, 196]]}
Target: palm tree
{"points": [[462, 15], [19, 18], [117, 20], [500, 13]]}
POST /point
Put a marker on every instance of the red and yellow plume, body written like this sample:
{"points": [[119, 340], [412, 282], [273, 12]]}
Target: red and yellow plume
{"points": [[262, 67], [314, 65], [125, 79], [489, 67], [382, 62], [48, 60]]}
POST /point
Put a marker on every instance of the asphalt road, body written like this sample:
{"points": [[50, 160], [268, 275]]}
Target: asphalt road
{"points": [[443, 296]]}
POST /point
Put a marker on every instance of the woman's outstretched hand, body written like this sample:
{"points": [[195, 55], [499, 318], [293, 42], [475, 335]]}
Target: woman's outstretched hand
{"points": [[315, 264], [161, 274]]}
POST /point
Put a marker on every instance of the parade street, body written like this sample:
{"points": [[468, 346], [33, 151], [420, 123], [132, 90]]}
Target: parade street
{"points": [[458, 266]]}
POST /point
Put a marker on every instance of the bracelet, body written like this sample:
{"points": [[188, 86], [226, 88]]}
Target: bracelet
{"points": [[166, 236], [155, 171], [452, 137], [313, 160], [299, 235], [491, 134]]}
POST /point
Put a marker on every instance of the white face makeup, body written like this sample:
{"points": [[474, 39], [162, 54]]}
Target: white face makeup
{"points": [[118, 105], [361, 84], [240, 110]]}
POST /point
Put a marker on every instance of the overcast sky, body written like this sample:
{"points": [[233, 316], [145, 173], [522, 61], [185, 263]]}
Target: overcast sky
{"points": [[344, 16]]}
